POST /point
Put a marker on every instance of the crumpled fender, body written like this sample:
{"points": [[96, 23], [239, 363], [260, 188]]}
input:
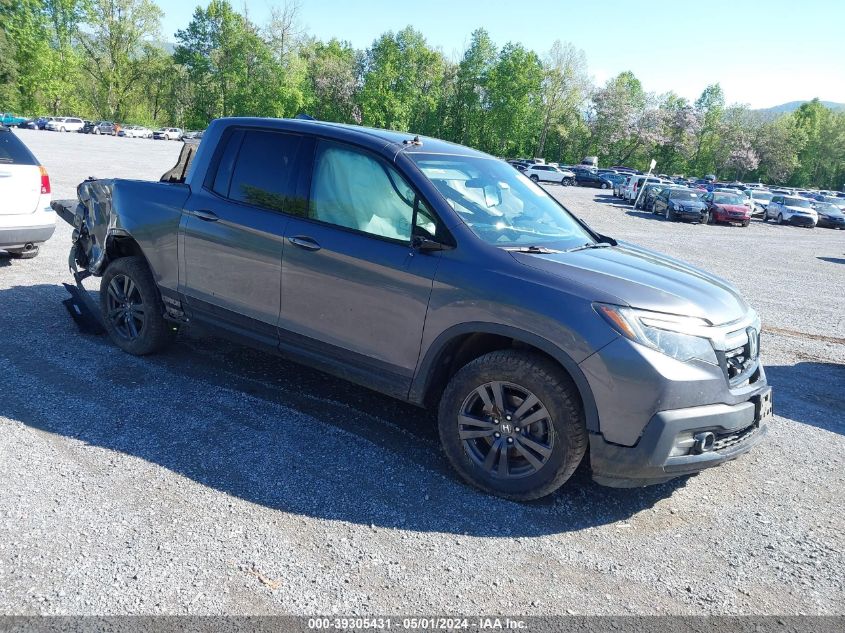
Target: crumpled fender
{"points": [[93, 221]]}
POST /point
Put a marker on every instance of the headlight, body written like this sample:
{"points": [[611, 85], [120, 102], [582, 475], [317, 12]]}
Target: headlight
{"points": [[676, 207], [673, 335]]}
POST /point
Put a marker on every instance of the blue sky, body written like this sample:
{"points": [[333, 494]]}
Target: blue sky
{"points": [[763, 52]]}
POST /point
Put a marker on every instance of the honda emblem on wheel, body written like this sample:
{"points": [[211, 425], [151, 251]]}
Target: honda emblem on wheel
{"points": [[507, 428]]}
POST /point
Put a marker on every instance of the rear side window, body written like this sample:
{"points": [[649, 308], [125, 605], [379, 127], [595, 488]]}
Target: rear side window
{"points": [[13, 151], [264, 173]]}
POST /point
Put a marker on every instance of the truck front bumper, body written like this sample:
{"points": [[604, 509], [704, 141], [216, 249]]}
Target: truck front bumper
{"points": [[670, 445]]}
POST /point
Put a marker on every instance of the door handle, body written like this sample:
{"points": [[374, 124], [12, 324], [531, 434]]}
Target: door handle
{"points": [[304, 242], [202, 214]]}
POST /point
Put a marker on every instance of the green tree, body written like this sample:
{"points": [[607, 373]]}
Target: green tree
{"points": [[515, 92], [469, 102], [402, 82], [565, 87], [113, 48]]}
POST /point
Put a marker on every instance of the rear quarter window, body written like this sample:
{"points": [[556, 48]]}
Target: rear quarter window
{"points": [[14, 152]]}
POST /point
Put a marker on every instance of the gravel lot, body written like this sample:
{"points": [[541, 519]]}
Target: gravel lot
{"points": [[214, 479]]}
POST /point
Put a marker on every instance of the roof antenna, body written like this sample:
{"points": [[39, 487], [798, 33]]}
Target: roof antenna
{"points": [[414, 141]]}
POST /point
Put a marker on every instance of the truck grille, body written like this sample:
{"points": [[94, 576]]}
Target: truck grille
{"points": [[727, 440], [740, 363]]}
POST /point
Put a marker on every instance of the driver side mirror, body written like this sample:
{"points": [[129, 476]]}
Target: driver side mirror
{"points": [[426, 245]]}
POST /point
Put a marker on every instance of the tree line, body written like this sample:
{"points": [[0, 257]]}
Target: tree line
{"points": [[106, 59]]}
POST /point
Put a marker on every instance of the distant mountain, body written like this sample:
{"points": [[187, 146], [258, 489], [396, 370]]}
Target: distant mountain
{"points": [[792, 106]]}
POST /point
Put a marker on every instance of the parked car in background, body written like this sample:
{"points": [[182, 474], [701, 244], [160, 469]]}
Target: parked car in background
{"points": [[615, 178], [168, 134], [830, 215], [590, 178], [13, 120], [634, 184], [759, 199], [40, 123], [650, 192], [834, 200], [192, 134], [619, 187], [727, 207], [547, 173], [100, 127], [65, 124], [26, 219], [675, 203], [136, 131], [791, 210], [433, 273]]}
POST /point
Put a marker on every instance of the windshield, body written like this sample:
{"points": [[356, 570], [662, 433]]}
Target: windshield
{"points": [[765, 197], [727, 198], [797, 202], [499, 204], [827, 207], [680, 194]]}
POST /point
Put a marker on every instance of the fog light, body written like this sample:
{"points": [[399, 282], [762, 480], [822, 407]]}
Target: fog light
{"points": [[703, 442]]}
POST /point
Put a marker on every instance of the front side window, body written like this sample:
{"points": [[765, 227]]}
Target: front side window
{"points": [[354, 190]]}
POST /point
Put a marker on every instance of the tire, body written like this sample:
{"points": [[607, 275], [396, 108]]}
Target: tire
{"points": [[779, 219], [568, 182], [136, 332], [708, 218], [746, 223], [536, 463], [535, 177], [96, 131], [22, 254], [604, 185], [670, 215], [765, 217]]}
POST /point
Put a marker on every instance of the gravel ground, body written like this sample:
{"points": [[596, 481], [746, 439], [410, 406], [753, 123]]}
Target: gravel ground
{"points": [[213, 479]]}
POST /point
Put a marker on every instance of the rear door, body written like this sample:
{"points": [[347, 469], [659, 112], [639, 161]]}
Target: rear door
{"points": [[355, 293], [20, 176], [233, 228]]}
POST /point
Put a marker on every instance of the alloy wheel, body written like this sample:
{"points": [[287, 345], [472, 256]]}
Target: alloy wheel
{"points": [[506, 430], [126, 308]]}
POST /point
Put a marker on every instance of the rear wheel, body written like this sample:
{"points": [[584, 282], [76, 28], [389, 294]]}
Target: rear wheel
{"points": [[511, 424], [535, 177], [604, 185], [132, 308], [746, 223]]}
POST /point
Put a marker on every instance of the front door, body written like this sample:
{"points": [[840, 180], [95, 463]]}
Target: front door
{"points": [[355, 293]]}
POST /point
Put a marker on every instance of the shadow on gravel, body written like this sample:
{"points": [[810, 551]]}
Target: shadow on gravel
{"points": [[832, 260], [269, 431], [810, 393]]}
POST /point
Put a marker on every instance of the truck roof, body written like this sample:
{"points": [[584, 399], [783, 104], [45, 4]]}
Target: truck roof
{"points": [[374, 137]]}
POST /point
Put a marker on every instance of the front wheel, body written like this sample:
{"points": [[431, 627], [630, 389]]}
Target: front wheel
{"points": [[535, 177], [604, 185], [779, 219], [746, 223], [511, 424], [132, 309], [568, 182]]}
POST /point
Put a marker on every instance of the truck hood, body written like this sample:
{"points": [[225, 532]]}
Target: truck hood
{"points": [[645, 279]]}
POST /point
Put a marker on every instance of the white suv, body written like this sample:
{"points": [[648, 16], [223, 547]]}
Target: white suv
{"points": [[168, 134], [548, 173], [26, 219], [65, 124]]}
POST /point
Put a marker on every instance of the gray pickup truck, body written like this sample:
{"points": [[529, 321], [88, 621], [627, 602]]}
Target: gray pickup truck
{"points": [[441, 276]]}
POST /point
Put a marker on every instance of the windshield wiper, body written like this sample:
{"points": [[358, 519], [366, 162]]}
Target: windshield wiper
{"points": [[541, 250], [584, 247]]}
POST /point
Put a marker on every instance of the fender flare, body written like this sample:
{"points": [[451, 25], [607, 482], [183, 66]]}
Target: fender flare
{"points": [[421, 382]]}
